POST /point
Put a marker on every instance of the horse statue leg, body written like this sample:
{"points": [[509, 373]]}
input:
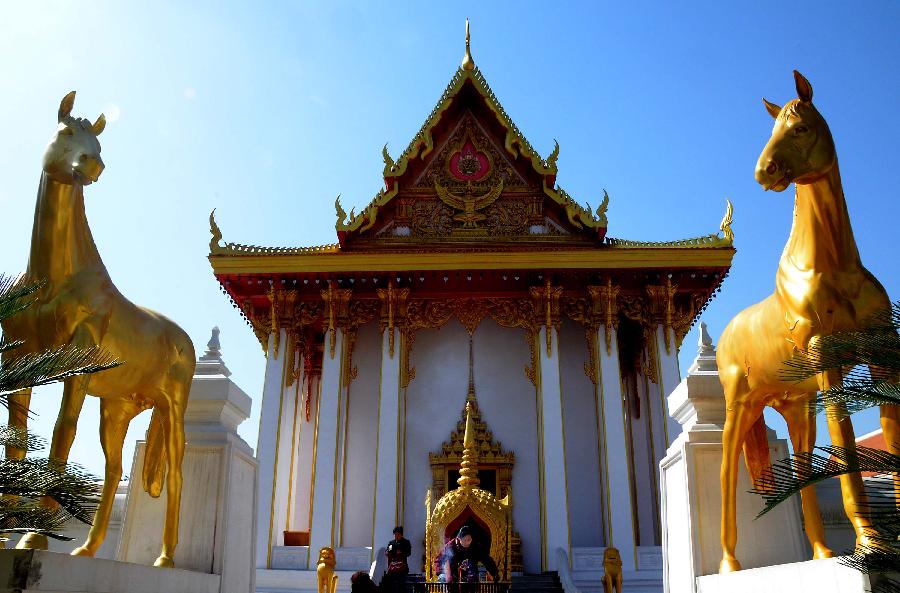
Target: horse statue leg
{"points": [[18, 418], [853, 492], [801, 422], [740, 415], [74, 391], [115, 416], [174, 450]]}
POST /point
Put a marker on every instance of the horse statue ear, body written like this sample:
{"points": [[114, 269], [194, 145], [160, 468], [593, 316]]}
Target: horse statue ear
{"points": [[66, 105], [804, 89], [99, 125], [772, 108]]}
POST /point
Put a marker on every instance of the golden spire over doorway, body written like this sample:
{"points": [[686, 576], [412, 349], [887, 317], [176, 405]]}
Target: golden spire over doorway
{"points": [[468, 63], [468, 468]]}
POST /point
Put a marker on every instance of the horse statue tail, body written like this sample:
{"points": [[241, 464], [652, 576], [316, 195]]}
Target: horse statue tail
{"points": [[756, 452], [154, 456]]}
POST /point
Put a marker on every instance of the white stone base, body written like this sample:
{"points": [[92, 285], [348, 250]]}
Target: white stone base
{"points": [[296, 581], [26, 571], [813, 576]]}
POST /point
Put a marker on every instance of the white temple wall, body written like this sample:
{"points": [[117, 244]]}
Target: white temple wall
{"points": [[434, 400], [582, 446], [358, 496], [509, 407]]}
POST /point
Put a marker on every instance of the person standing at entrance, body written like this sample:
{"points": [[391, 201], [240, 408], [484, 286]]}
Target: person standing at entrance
{"points": [[398, 550], [458, 560]]}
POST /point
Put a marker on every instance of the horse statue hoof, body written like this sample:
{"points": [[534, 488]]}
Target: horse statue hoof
{"points": [[33, 541], [82, 551], [729, 565], [164, 562]]}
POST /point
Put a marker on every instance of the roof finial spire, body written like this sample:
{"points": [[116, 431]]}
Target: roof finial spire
{"points": [[468, 63]]}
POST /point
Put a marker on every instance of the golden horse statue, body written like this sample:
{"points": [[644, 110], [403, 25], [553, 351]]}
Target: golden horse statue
{"points": [[821, 287], [78, 305]]}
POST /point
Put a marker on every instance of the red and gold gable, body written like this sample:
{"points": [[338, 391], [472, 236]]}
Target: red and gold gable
{"points": [[470, 176]]}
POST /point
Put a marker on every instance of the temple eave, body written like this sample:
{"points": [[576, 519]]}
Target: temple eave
{"points": [[646, 257]]}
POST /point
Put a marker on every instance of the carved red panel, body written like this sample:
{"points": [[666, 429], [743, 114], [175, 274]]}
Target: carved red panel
{"points": [[469, 163]]}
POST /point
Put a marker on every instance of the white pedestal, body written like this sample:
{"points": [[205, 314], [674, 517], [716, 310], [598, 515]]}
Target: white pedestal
{"points": [[30, 571], [218, 504], [812, 576], [691, 495]]}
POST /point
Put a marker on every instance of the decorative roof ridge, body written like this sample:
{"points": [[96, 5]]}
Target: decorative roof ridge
{"points": [[216, 247], [710, 240]]}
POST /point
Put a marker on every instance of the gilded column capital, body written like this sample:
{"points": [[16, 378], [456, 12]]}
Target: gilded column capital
{"points": [[662, 307], [545, 300], [394, 305], [605, 309], [337, 312]]}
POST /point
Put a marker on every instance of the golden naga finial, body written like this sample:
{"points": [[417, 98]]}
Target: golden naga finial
{"points": [[468, 63], [341, 215], [216, 233], [725, 225], [468, 468], [601, 210], [551, 160], [388, 161]]}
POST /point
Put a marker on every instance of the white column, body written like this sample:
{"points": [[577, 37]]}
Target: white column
{"points": [[285, 433], [300, 510], [386, 460], [669, 378], [267, 445], [325, 474], [618, 479], [553, 450]]}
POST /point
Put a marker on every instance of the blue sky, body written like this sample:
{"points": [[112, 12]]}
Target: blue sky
{"points": [[267, 111]]}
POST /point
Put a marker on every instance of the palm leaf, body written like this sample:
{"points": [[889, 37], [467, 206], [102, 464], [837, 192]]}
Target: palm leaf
{"points": [[14, 293], [41, 368], [75, 490], [789, 476]]}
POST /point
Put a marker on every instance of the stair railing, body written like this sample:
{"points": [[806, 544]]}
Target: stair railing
{"points": [[565, 572]]}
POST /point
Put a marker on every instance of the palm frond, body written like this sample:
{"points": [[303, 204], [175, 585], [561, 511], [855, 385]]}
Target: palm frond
{"points": [[75, 489], [877, 344], [7, 345], [788, 476], [23, 516], [19, 438], [14, 295], [41, 368]]}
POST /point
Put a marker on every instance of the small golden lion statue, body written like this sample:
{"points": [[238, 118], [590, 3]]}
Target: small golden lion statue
{"points": [[612, 571], [327, 580]]}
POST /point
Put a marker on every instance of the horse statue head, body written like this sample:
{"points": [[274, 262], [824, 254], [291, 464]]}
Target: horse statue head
{"points": [[73, 156], [800, 149]]}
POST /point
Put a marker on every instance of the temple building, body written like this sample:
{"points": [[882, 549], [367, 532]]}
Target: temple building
{"points": [[472, 308]]}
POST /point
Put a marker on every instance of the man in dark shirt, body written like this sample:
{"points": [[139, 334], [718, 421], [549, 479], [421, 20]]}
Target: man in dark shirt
{"points": [[462, 552], [398, 550]]}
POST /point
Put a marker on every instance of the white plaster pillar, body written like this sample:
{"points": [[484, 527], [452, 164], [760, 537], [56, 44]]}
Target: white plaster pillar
{"points": [[285, 455], [619, 511], [270, 417], [386, 460], [669, 378], [325, 476], [302, 492], [554, 497]]}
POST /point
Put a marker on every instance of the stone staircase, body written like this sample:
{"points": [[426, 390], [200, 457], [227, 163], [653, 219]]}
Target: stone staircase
{"points": [[545, 582]]}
